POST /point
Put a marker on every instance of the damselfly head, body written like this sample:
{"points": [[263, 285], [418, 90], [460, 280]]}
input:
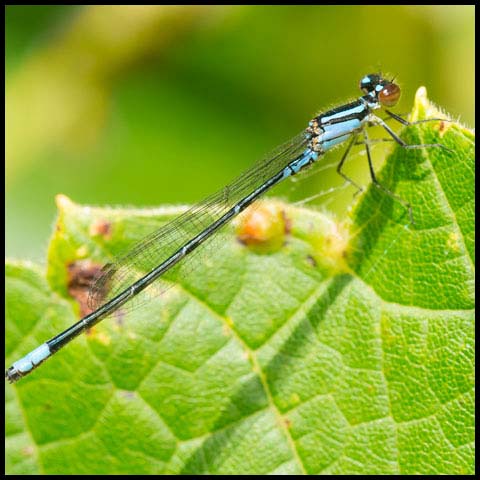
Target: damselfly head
{"points": [[369, 82], [385, 91]]}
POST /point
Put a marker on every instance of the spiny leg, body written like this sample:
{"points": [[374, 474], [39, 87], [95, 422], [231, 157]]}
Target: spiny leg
{"points": [[401, 120], [400, 200], [342, 161], [348, 180], [306, 200], [378, 121]]}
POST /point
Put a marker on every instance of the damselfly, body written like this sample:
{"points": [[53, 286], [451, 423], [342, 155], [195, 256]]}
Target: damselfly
{"points": [[118, 282]]}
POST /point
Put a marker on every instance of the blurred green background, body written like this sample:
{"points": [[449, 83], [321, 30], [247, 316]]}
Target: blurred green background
{"points": [[152, 105]]}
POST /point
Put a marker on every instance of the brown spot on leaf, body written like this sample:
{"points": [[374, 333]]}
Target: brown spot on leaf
{"points": [[81, 276], [101, 228]]}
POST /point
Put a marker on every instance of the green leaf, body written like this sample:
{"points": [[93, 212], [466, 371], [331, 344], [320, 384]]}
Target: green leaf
{"points": [[336, 348]]}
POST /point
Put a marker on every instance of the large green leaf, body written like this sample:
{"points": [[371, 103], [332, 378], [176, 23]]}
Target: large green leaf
{"points": [[311, 347]]}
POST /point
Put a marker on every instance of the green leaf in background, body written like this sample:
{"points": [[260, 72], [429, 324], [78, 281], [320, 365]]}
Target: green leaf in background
{"points": [[342, 349]]}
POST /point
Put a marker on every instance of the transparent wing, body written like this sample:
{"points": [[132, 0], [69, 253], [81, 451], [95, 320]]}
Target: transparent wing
{"points": [[157, 247]]}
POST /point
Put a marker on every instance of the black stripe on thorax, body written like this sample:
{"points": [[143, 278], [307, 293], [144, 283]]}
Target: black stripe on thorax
{"points": [[356, 110]]}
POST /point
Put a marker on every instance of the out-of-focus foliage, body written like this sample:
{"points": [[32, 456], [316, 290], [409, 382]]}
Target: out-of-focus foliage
{"points": [[153, 105]]}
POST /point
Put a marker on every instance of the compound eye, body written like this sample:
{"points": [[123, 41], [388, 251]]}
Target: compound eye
{"points": [[389, 95]]}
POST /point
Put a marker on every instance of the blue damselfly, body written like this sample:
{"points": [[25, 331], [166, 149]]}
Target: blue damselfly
{"points": [[174, 242]]}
